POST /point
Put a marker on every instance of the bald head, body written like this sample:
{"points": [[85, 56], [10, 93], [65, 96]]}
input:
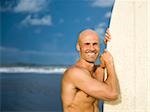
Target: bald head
{"points": [[87, 32], [87, 36], [88, 45]]}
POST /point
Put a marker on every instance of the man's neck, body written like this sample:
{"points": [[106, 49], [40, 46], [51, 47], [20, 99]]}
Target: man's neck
{"points": [[87, 65]]}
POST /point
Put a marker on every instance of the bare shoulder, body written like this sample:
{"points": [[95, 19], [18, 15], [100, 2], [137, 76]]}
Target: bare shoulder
{"points": [[73, 72]]}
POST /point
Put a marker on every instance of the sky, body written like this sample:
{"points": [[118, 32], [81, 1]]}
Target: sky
{"points": [[46, 31]]}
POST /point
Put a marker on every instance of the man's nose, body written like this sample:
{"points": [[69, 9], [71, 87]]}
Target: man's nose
{"points": [[92, 48]]}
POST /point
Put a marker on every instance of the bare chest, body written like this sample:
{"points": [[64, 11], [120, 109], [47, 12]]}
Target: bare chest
{"points": [[84, 98]]}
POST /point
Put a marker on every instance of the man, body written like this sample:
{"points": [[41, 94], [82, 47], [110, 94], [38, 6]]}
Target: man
{"points": [[83, 84]]}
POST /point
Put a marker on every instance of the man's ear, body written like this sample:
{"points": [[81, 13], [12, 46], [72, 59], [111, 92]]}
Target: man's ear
{"points": [[78, 47]]}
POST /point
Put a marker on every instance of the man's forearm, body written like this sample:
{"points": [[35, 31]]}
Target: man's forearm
{"points": [[112, 80], [96, 107]]}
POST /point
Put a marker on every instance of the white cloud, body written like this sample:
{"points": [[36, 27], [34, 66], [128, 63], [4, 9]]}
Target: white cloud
{"points": [[30, 6], [101, 25], [100, 29], [102, 3], [108, 15], [29, 20]]}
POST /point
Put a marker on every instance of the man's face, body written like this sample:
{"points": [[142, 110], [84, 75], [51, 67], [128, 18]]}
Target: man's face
{"points": [[89, 47]]}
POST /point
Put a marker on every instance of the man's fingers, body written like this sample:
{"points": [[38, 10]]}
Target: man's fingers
{"points": [[107, 31], [106, 39], [108, 35], [105, 50]]}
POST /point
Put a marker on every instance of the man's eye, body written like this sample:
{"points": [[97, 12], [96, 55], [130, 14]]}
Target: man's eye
{"points": [[87, 43], [95, 44]]}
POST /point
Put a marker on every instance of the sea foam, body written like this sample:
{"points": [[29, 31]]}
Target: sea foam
{"points": [[32, 69]]}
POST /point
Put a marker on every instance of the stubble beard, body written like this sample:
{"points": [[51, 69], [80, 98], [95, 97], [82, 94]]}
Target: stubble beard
{"points": [[91, 59]]}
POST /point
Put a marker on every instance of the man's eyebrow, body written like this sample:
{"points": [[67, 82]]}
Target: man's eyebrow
{"points": [[86, 42], [95, 43]]}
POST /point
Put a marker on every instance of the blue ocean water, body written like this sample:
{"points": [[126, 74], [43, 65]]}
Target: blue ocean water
{"points": [[31, 92]]}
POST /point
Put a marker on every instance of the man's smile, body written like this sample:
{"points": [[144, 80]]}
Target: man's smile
{"points": [[91, 53]]}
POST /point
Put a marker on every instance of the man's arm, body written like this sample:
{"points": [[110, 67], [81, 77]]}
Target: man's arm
{"points": [[96, 106], [82, 79], [111, 80], [99, 73]]}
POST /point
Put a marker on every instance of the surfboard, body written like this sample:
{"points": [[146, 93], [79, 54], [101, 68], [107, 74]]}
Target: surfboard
{"points": [[130, 49]]}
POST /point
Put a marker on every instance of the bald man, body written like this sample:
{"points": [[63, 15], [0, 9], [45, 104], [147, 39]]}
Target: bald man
{"points": [[83, 83]]}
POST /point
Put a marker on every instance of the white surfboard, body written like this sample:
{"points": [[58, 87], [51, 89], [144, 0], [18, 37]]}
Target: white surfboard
{"points": [[129, 46]]}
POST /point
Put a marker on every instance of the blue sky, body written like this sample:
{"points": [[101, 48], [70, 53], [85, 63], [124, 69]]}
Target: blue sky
{"points": [[46, 31]]}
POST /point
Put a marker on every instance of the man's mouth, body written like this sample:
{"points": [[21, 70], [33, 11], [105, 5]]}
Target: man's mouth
{"points": [[91, 53]]}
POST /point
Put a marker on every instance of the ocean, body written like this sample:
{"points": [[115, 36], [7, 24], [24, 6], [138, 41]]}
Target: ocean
{"points": [[31, 89]]}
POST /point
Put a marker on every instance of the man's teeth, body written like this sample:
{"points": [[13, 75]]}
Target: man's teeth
{"points": [[92, 53]]}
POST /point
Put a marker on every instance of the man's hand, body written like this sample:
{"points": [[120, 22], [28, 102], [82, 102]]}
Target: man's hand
{"points": [[106, 39], [106, 58], [107, 36]]}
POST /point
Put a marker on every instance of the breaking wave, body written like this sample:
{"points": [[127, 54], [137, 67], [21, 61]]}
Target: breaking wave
{"points": [[32, 69]]}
